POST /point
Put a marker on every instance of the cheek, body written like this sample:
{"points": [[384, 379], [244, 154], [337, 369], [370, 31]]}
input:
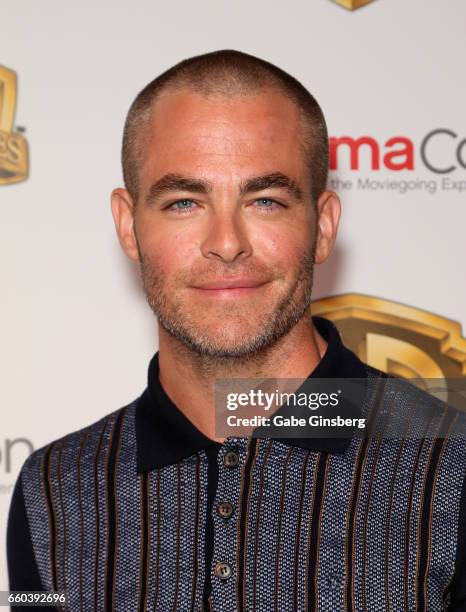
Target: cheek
{"points": [[170, 253], [281, 247]]}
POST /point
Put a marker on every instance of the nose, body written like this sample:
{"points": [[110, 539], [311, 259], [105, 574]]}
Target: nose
{"points": [[226, 237]]}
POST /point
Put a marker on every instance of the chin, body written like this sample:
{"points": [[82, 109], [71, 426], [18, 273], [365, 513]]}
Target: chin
{"points": [[219, 342]]}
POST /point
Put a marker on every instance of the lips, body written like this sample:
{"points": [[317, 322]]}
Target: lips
{"points": [[239, 283]]}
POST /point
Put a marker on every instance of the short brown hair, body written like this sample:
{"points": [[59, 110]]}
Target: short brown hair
{"points": [[226, 72]]}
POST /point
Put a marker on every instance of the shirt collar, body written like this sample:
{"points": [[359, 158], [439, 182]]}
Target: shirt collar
{"points": [[164, 435]]}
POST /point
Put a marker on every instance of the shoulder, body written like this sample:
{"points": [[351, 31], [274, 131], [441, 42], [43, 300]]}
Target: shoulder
{"points": [[424, 416], [423, 401], [80, 446]]}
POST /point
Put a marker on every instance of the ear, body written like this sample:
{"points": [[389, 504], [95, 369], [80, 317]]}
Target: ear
{"points": [[123, 216], [328, 216]]}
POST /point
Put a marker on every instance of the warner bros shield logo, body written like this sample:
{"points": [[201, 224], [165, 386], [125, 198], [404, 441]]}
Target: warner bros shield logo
{"points": [[13, 145], [352, 5], [402, 341]]}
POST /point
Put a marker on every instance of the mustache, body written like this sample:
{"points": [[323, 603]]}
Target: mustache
{"points": [[253, 270], [213, 271]]}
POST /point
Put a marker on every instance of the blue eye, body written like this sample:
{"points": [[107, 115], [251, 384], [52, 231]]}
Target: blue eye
{"points": [[184, 205], [270, 205]]}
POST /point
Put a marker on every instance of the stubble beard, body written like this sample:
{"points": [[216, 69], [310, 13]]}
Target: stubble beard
{"points": [[175, 317]]}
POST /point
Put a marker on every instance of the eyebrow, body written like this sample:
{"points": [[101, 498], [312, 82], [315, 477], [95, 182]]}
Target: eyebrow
{"points": [[176, 182]]}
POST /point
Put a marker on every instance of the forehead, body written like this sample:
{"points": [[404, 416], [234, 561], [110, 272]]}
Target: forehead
{"points": [[219, 135]]}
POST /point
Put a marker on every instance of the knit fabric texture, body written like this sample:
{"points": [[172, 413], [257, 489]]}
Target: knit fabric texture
{"points": [[374, 528]]}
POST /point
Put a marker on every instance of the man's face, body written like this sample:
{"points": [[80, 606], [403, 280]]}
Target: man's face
{"points": [[203, 223]]}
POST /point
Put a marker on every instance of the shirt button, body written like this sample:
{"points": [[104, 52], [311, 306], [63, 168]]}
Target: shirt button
{"points": [[225, 509], [230, 459], [222, 570]]}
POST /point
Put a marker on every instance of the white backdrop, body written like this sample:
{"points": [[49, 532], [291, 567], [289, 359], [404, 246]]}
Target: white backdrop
{"points": [[76, 333]]}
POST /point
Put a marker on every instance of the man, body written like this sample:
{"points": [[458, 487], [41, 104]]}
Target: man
{"points": [[225, 209]]}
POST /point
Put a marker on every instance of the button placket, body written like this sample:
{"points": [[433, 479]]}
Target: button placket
{"points": [[230, 462]]}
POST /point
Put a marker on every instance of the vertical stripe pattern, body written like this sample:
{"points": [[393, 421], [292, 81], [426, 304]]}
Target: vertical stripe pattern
{"points": [[373, 528]]}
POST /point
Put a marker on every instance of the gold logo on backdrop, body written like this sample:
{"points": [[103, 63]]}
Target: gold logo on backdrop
{"points": [[398, 339], [13, 146], [352, 4]]}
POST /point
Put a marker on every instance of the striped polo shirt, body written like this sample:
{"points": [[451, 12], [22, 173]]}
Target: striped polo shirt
{"points": [[140, 511]]}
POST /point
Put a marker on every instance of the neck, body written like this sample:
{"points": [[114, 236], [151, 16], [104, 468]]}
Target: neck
{"points": [[188, 378]]}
